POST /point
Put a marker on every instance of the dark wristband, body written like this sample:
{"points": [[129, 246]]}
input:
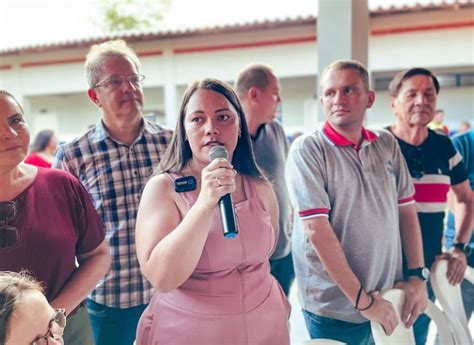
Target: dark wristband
{"points": [[372, 300], [465, 248]]}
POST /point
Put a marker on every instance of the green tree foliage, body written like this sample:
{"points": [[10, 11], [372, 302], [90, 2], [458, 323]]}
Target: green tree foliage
{"points": [[125, 15]]}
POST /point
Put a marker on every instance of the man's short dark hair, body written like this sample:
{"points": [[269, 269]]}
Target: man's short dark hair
{"points": [[252, 75], [397, 81], [349, 64]]}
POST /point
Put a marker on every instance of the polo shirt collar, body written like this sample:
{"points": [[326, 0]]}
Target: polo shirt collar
{"points": [[339, 140]]}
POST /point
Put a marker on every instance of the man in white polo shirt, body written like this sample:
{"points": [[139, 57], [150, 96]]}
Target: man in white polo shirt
{"points": [[354, 214]]}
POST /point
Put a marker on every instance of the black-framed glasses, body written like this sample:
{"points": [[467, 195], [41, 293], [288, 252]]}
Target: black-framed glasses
{"points": [[9, 235], [55, 328], [414, 158], [116, 81]]}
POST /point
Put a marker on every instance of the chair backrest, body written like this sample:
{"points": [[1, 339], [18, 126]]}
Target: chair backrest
{"points": [[321, 342], [450, 298], [403, 335]]}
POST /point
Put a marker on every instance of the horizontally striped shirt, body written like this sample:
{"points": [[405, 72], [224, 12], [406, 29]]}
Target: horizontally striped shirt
{"points": [[441, 167], [115, 174]]}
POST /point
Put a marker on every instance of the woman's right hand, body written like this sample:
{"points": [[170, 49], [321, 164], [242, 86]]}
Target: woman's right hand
{"points": [[217, 180], [381, 311]]}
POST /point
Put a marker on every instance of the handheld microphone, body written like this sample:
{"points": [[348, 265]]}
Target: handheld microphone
{"points": [[226, 204]]}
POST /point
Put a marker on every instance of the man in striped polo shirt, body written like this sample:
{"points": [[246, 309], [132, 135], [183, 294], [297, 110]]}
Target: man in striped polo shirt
{"points": [[435, 168], [354, 213]]}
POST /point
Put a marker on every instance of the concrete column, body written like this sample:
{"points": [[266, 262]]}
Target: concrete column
{"points": [[342, 31], [170, 92]]}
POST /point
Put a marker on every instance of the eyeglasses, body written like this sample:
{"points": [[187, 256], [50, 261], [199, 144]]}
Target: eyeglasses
{"points": [[116, 81], [8, 234], [55, 328], [414, 158]]}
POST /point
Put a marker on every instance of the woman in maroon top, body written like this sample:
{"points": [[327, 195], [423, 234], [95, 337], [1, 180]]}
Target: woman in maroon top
{"points": [[47, 222], [43, 149]]}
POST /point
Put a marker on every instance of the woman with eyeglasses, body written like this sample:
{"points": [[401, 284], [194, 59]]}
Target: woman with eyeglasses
{"points": [[47, 222], [25, 315]]}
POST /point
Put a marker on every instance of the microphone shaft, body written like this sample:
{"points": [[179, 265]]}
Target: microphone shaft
{"points": [[226, 206]]}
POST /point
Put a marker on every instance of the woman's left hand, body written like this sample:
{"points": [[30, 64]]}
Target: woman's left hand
{"points": [[217, 180]]}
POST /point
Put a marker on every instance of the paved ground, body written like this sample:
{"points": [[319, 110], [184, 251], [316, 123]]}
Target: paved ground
{"points": [[298, 331]]}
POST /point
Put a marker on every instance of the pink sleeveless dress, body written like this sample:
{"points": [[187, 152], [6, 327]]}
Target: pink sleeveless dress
{"points": [[231, 297]]}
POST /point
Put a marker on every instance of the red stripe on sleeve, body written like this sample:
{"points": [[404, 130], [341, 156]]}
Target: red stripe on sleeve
{"points": [[404, 201], [313, 211]]}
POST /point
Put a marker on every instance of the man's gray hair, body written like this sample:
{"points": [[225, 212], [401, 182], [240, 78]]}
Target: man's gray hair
{"points": [[99, 52], [252, 75], [349, 64]]}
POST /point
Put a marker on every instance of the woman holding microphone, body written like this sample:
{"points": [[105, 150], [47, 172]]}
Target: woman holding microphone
{"points": [[210, 289]]}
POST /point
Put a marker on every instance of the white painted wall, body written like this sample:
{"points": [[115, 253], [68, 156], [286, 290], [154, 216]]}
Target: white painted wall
{"points": [[297, 95], [75, 113]]}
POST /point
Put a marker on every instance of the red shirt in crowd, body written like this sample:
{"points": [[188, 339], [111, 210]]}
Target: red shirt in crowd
{"points": [[36, 160]]}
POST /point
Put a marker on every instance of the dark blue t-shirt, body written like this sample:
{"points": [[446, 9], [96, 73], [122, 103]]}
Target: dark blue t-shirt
{"points": [[464, 143]]}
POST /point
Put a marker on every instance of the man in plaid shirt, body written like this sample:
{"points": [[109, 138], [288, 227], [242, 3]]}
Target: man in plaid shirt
{"points": [[113, 160]]}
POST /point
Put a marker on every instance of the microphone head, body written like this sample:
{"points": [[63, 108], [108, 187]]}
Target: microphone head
{"points": [[217, 152]]}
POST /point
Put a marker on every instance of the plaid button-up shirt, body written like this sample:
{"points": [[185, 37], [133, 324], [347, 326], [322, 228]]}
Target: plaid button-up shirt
{"points": [[115, 175]]}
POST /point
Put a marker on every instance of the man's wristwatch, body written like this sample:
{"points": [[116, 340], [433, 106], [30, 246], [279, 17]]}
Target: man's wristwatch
{"points": [[464, 247], [421, 272]]}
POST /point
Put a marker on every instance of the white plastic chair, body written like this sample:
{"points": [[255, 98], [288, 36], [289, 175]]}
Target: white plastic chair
{"points": [[450, 299], [403, 335], [321, 342]]}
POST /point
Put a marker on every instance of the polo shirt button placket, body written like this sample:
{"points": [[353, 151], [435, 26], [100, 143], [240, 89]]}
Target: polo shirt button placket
{"points": [[364, 160]]}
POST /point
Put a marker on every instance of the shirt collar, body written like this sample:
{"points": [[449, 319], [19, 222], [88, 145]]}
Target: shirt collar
{"points": [[101, 132], [339, 140], [147, 128]]}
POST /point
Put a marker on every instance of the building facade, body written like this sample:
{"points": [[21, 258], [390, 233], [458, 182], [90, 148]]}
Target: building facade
{"points": [[49, 79]]}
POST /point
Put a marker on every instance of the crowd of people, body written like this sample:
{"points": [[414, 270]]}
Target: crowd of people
{"points": [[117, 236]]}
